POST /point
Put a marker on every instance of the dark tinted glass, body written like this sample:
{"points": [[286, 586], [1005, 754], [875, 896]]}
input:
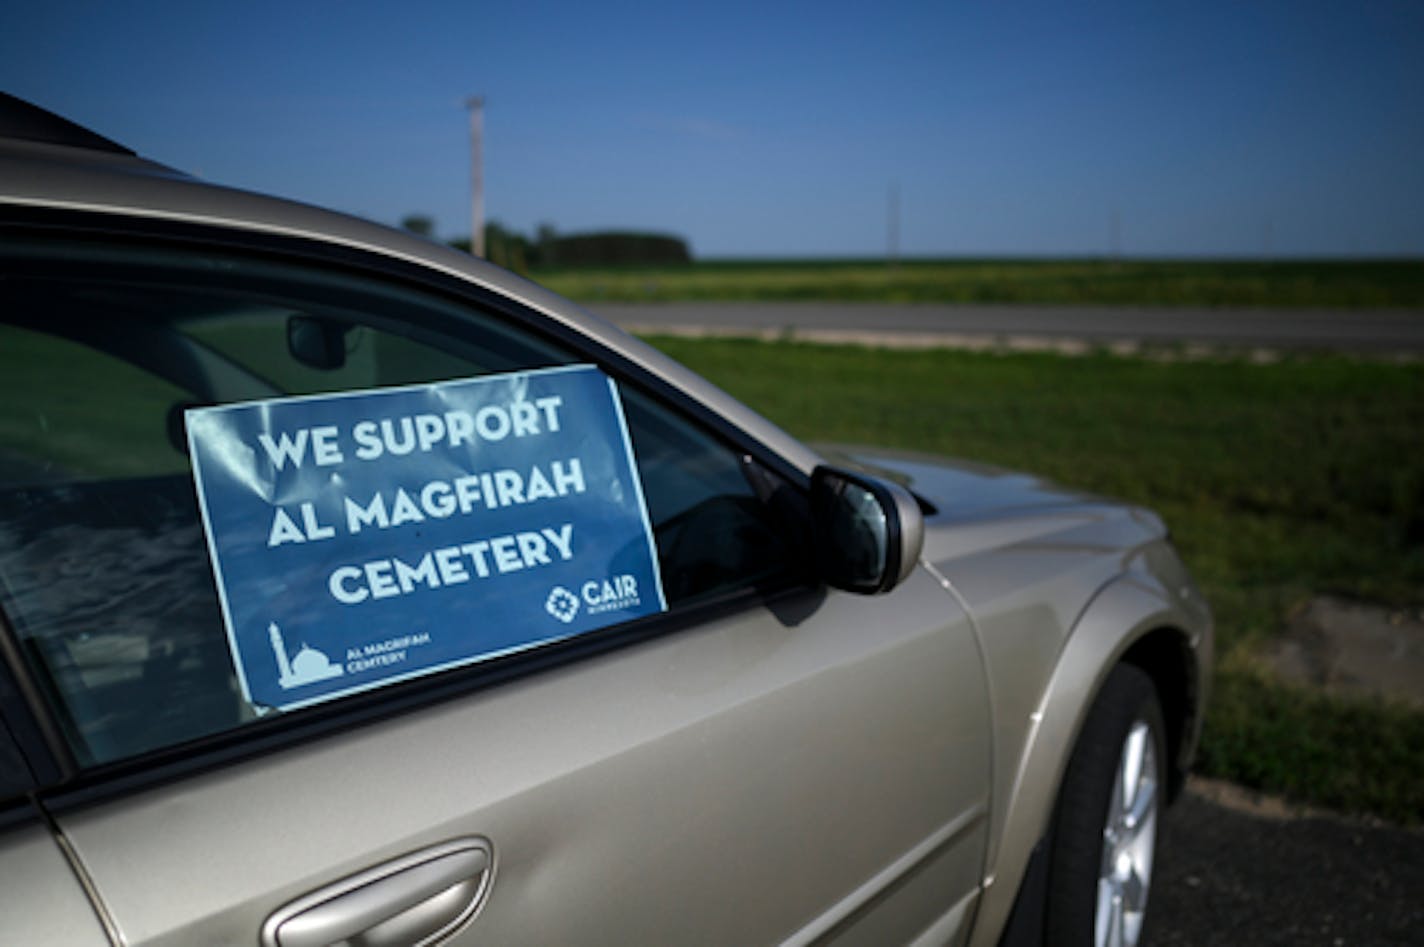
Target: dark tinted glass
{"points": [[104, 571]]}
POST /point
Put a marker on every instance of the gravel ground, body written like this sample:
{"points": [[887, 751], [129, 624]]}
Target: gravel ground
{"points": [[1238, 870]]}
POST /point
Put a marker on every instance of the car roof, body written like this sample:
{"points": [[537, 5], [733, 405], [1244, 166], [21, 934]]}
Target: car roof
{"points": [[47, 161], [28, 122]]}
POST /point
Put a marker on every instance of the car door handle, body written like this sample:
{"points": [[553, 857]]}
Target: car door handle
{"points": [[415, 899]]}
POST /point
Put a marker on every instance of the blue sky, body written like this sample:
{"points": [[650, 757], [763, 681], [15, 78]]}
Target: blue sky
{"points": [[1203, 128]]}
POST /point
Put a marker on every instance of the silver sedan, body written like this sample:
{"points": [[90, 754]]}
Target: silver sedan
{"points": [[357, 591]]}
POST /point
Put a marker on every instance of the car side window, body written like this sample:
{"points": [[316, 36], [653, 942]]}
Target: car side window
{"points": [[103, 569], [714, 534], [104, 573]]}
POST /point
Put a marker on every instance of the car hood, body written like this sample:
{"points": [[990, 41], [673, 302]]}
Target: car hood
{"points": [[959, 488], [973, 509]]}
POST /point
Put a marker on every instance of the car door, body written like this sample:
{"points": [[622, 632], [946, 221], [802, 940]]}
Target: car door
{"points": [[765, 760]]}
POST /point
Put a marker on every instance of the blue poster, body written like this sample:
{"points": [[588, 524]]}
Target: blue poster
{"points": [[364, 538]]}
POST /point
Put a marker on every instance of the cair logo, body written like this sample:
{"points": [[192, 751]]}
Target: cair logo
{"points": [[562, 604], [596, 595], [610, 594]]}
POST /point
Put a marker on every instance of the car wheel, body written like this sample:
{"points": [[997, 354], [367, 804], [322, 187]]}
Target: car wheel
{"points": [[1105, 825]]}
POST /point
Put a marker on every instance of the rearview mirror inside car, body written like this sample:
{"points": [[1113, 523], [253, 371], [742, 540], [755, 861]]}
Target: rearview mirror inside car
{"points": [[317, 343]]}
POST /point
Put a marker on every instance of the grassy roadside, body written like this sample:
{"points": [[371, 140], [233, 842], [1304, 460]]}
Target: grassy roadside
{"points": [[1324, 284], [1280, 482]]}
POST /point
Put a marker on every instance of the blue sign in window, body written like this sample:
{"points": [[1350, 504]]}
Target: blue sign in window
{"points": [[368, 537]]}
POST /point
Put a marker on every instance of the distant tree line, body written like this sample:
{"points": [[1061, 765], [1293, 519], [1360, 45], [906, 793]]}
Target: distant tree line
{"points": [[547, 248], [615, 248]]}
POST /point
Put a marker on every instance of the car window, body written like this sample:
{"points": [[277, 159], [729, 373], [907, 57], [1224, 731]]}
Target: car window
{"points": [[105, 577], [713, 533]]}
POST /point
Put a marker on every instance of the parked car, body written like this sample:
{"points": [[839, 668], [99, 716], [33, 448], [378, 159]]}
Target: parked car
{"points": [[356, 590]]}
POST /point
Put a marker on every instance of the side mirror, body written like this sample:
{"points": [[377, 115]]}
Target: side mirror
{"points": [[868, 532]]}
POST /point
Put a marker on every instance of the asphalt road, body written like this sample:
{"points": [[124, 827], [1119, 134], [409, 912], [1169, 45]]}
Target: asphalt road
{"points": [[1374, 331], [1227, 875]]}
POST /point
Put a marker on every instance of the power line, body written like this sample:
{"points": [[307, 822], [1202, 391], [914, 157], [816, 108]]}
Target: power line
{"points": [[476, 105]]}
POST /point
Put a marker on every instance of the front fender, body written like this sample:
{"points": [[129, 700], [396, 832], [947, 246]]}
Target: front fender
{"points": [[1122, 613]]}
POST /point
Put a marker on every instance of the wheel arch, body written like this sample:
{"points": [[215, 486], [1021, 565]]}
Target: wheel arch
{"points": [[1132, 619], [1165, 655]]}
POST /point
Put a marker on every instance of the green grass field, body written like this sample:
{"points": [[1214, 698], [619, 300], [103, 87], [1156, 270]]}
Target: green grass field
{"points": [[1083, 281], [1279, 482]]}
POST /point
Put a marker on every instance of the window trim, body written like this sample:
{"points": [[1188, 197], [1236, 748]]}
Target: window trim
{"points": [[61, 783], [26, 723]]}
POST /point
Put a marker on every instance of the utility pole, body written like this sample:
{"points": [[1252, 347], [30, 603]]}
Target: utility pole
{"points": [[892, 235], [476, 105]]}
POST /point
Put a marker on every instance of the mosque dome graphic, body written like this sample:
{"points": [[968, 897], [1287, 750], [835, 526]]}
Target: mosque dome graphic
{"points": [[308, 667]]}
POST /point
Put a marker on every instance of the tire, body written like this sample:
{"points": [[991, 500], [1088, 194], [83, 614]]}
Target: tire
{"points": [[1106, 820]]}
